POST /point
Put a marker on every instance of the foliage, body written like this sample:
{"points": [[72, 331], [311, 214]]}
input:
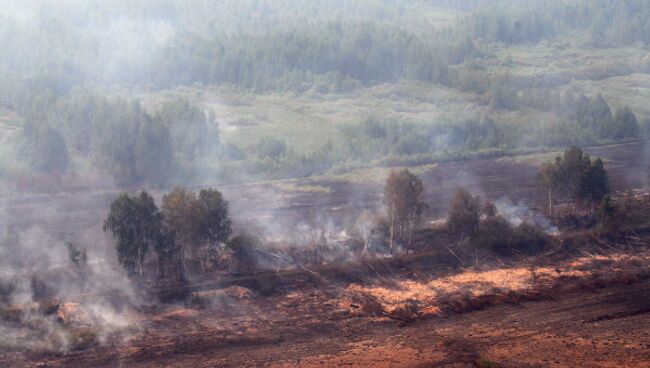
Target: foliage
{"points": [[115, 134], [332, 53], [464, 213], [243, 248], [403, 197], [371, 43], [575, 176], [625, 124], [182, 215], [136, 225], [196, 223], [215, 223], [497, 235], [192, 132]]}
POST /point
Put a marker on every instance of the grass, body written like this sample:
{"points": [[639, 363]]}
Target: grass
{"points": [[375, 175], [629, 90], [292, 186], [308, 122], [559, 56], [533, 159]]}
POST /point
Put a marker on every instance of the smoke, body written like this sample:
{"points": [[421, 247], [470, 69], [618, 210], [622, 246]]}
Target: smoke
{"points": [[518, 213], [51, 304]]}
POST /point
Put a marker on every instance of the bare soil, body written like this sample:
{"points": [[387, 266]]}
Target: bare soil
{"points": [[587, 312]]}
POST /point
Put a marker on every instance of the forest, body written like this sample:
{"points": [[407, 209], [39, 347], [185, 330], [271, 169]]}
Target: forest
{"points": [[77, 112]]}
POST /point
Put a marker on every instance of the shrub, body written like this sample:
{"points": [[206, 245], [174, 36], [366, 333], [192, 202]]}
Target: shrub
{"points": [[464, 213], [496, 234], [243, 248], [529, 238]]}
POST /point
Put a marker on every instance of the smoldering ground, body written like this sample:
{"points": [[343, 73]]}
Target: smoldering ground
{"points": [[62, 293]]}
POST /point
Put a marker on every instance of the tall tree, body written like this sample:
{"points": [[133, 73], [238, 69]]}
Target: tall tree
{"points": [[576, 176], [596, 182], [464, 213], [548, 177], [625, 124], [215, 222], [182, 212], [136, 225], [404, 199]]}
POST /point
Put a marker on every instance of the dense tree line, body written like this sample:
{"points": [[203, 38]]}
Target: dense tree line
{"points": [[118, 135], [331, 54], [605, 22]]}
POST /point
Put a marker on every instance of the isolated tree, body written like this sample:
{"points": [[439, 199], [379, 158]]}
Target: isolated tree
{"points": [[215, 222], [464, 213], [596, 182], [364, 229], [548, 177], [625, 124], [182, 213], [403, 197], [573, 169], [576, 176], [136, 225]]}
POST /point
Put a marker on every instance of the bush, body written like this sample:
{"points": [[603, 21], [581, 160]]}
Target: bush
{"points": [[529, 238], [243, 248], [496, 234], [464, 213]]}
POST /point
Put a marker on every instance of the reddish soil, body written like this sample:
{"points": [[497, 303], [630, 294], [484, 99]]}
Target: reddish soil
{"points": [[601, 328], [586, 312]]}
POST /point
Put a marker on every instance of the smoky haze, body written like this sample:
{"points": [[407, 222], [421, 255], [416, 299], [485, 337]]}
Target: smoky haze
{"points": [[297, 111]]}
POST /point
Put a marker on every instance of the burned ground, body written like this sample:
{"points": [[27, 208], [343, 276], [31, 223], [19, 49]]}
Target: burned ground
{"points": [[586, 311], [581, 305]]}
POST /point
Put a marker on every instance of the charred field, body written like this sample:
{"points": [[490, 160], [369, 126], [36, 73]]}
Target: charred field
{"points": [[582, 302], [576, 309]]}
